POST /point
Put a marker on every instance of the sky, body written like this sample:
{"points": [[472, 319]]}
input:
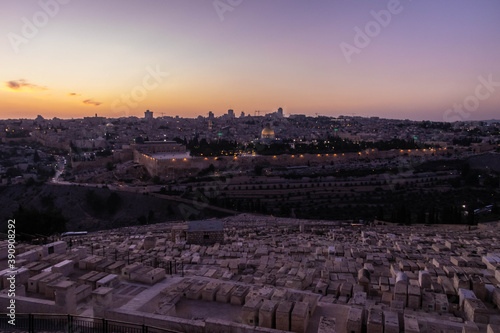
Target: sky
{"points": [[419, 60]]}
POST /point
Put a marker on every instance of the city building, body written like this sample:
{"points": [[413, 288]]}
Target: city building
{"points": [[148, 115]]}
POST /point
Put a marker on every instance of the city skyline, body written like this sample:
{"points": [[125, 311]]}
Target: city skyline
{"points": [[393, 59]]}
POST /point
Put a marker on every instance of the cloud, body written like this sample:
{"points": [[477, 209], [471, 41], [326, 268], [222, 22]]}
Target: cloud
{"points": [[74, 94], [22, 84], [91, 102]]}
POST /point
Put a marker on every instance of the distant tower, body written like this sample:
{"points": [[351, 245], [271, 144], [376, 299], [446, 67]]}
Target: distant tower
{"points": [[242, 114], [230, 113], [210, 115], [280, 112], [148, 115]]}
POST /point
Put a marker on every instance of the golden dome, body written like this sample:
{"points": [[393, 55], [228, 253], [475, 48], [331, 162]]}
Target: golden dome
{"points": [[267, 131]]}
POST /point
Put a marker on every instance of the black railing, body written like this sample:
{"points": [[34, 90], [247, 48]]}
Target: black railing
{"points": [[71, 324]]}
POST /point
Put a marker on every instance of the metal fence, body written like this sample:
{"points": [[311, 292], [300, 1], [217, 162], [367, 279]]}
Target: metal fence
{"points": [[72, 324]]}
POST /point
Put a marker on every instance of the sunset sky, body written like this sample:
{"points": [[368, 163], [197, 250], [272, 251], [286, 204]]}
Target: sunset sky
{"points": [[95, 56]]}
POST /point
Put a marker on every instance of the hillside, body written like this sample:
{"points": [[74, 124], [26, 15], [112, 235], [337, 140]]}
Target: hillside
{"points": [[92, 209]]}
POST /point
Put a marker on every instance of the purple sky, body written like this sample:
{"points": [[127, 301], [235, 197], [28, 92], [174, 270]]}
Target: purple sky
{"points": [[259, 55]]}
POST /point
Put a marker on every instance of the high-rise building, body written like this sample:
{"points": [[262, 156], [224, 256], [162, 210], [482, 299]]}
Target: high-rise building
{"points": [[230, 113], [242, 115], [210, 115], [148, 115], [280, 112]]}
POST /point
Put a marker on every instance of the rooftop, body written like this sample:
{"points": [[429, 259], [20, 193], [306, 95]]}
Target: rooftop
{"points": [[207, 225]]}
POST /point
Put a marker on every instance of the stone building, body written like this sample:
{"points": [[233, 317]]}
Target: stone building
{"points": [[205, 232]]}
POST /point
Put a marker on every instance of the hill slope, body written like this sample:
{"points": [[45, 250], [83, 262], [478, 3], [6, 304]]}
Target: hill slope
{"points": [[92, 209]]}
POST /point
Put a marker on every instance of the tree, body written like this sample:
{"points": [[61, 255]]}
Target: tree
{"points": [[30, 182], [151, 215], [210, 169], [94, 200], [432, 215], [113, 202], [142, 220], [494, 209], [471, 216], [285, 210], [13, 172], [36, 157], [110, 166], [47, 200], [380, 213], [258, 169], [401, 214], [421, 216], [32, 223]]}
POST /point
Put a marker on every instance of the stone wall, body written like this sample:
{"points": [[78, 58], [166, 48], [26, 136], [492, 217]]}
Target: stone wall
{"points": [[117, 157], [169, 168], [205, 237], [32, 305], [172, 323]]}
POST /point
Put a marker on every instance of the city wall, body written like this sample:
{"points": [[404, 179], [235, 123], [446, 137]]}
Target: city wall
{"points": [[117, 157], [51, 141], [171, 168]]}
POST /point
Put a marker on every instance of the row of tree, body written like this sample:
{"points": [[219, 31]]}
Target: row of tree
{"points": [[332, 144], [32, 223], [446, 215]]}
